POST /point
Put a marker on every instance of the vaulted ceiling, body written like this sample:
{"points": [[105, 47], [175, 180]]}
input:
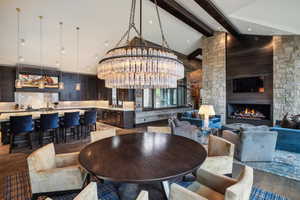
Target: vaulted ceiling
{"points": [[102, 24]]}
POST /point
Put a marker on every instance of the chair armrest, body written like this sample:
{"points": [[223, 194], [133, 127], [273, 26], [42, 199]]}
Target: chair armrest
{"points": [[231, 137], [180, 193], [216, 182], [143, 196], [218, 146], [66, 159]]}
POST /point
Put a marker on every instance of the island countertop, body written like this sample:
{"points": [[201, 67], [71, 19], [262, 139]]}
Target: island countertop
{"points": [[36, 114]]}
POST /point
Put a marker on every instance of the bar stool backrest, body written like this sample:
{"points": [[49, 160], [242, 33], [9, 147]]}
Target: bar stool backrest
{"points": [[90, 117], [21, 124], [71, 119], [49, 121]]}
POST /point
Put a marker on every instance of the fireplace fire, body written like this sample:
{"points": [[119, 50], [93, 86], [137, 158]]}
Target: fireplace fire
{"points": [[248, 113], [251, 112]]}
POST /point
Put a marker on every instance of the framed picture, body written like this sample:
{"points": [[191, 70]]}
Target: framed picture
{"points": [[32, 81]]}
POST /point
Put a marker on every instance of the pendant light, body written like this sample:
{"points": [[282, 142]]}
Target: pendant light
{"points": [[61, 85], [18, 81], [78, 86], [140, 66], [41, 82]]}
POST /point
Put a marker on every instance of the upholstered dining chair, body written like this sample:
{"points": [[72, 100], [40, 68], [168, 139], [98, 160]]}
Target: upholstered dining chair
{"points": [[90, 193], [159, 129], [99, 135], [211, 186], [50, 172], [220, 153]]}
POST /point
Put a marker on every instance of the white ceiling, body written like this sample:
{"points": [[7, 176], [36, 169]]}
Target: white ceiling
{"points": [[102, 24]]}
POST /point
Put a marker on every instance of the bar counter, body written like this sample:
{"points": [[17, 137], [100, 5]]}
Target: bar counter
{"points": [[36, 114]]}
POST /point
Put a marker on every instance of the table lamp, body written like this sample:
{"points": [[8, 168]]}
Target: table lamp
{"points": [[206, 110]]}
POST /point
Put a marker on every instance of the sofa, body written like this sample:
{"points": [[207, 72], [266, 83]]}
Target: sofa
{"points": [[288, 139], [214, 122], [253, 144]]}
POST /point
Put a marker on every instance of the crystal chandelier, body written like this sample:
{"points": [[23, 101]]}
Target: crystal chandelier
{"points": [[140, 66]]}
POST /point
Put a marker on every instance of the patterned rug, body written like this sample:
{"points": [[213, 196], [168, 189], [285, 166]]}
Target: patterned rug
{"points": [[17, 187]]}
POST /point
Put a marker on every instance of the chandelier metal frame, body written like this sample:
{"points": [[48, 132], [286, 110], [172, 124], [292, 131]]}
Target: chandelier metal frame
{"points": [[140, 66]]}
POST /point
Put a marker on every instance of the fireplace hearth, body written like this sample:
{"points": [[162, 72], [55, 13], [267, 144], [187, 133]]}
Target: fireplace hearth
{"points": [[257, 114]]}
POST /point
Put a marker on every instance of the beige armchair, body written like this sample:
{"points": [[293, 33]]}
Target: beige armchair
{"points": [[50, 173], [220, 156], [99, 135], [210, 186], [90, 193], [159, 129]]}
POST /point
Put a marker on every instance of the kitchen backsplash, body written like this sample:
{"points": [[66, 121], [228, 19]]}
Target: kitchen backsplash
{"points": [[35, 99]]}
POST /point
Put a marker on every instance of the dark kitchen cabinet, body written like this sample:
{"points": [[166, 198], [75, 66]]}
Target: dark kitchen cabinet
{"points": [[125, 94], [119, 118], [7, 84], [88, 87], [103, 92]]}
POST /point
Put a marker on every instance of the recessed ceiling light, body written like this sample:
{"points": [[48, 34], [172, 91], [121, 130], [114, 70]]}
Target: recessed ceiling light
{"points": [[249, 29], [106, 43], [150, 22], [219, 28]]}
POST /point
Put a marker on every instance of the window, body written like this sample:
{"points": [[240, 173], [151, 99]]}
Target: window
{"points": [[147, 98], [164, 98]]}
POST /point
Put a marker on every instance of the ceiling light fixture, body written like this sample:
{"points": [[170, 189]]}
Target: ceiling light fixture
{"points": [[61, 84], [249, 29], [139, 66], [18, 81], [78, 86], [41, 84]]}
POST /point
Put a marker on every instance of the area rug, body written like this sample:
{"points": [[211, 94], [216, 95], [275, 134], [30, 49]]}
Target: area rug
{"points": [[17, 187]]}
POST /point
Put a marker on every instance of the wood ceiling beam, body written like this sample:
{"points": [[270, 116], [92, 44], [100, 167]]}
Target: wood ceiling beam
{"points": [[175, 9], [216, 13], [194, 54]]}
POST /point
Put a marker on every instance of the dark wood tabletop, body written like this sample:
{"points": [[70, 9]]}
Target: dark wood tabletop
{"points": [[142, 157]]}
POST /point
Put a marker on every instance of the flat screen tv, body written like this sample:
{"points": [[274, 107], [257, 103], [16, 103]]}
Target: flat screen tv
{"points": [[250, 84]]}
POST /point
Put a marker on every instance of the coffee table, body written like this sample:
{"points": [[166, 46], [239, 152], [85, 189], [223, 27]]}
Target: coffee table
{"points": [[142, 158]]}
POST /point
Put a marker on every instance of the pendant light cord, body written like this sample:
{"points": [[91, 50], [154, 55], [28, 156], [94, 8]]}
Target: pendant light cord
{"points": [[18, 41], [60, 48], [41, 46], [77, 59]]}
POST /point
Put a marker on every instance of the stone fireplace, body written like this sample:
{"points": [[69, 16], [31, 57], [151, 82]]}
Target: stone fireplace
{"points": [[276, 59]]}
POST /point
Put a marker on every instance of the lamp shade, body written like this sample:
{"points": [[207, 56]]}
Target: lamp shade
{"points": [[207, 110]]}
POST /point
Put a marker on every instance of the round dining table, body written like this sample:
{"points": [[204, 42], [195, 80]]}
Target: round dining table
{"points": [[142, 158]]}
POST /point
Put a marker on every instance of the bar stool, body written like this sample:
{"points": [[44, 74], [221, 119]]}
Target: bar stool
{"points": [[20, 126], [71, 121], [89, 121], [49, 123]]}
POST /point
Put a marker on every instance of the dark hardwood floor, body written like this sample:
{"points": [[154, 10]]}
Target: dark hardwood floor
{"points": [[16, 162]]}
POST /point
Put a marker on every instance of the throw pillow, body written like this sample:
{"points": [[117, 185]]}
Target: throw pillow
{"points": [[296, 119], [287, 123]]}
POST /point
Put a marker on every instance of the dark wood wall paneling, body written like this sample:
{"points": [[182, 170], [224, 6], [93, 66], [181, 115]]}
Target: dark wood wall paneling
{"points": [[7, 84], [250, 56]]}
